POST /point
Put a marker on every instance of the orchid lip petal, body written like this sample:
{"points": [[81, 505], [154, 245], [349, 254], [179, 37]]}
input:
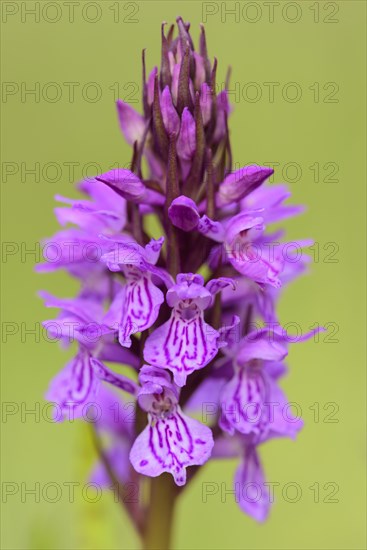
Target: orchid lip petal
{"points": [[170, 445], [182, 345]]}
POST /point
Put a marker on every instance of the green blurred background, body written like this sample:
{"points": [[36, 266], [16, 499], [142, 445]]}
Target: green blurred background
{"points": [[320, 48]]}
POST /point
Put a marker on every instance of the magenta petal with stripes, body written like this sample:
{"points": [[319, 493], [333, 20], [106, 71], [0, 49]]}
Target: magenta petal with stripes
{"points": [[170, 445], [171, 441], [217, 285], [183, 344], [74, 388], [252, 403], [135, 307], [117, 380], [243, 402]]}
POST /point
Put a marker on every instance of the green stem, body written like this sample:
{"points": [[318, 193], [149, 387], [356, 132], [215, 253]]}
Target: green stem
{"points": [[159, 521]]}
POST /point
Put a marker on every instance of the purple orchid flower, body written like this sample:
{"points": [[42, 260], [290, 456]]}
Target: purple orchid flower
{"points": [[186, 342], [77, 385], [252, 402], [245, 246], [136, 306], [172, 441], [177, 266], [79, 249], [104, 214]]}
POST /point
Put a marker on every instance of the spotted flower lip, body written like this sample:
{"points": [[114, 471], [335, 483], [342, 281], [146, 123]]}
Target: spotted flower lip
{"points": [[172, 441], [252, 403], [186, 343], [180, 275]]}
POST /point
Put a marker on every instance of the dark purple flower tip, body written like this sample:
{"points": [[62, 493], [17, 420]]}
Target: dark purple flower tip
{"points": [[242, 182], [183, 213]]}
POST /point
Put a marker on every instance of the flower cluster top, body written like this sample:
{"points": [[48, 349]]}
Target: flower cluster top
{"points": [[192, 314]]}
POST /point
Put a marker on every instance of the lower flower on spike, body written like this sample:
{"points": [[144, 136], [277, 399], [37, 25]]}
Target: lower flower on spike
{"points": [[171, 441]]}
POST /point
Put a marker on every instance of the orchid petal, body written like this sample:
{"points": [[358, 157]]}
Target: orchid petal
{"points": [[136, 307], [217, 285], [170, 117], [182, 345], [252, 493], [171, 445], [240, 183], [183, 213], [117, 380], [211, 229], [186, 143], [132, 124], [75, 387]]}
